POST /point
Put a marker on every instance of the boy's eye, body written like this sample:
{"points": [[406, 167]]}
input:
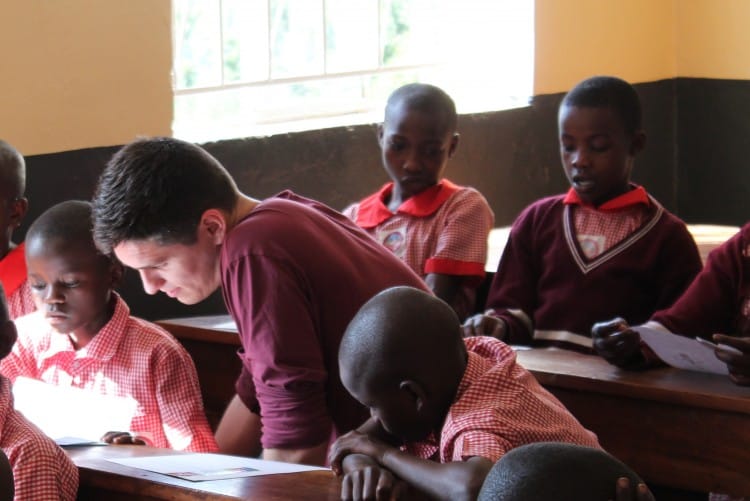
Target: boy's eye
{"points": [[38, 286], [600, 146], [396, 145], [70, 284]]}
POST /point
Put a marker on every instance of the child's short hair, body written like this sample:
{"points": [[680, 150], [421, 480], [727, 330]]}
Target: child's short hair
{"points": [[69, 221], [12, 171], [4, 311], [158, 188], [426, 98], [552, 470], [608, 92]]}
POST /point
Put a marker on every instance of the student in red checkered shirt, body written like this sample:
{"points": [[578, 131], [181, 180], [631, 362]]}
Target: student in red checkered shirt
{"points": [[438, 228], [13, 207], [443, 409], [603, 249], [82, 336], [41, 470]]}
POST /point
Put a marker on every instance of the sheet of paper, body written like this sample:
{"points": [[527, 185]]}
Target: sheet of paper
{"points": [[71, 415], [682, 352], [200, 467]]}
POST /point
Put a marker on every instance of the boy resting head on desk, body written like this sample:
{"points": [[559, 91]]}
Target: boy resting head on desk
{"points": [[13, 207], [41, 470], [436, 227], [82, 336], [443, 409]]}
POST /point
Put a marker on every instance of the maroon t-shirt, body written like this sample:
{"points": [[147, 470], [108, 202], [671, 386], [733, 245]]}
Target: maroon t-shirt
{"points": [[294, 273]]}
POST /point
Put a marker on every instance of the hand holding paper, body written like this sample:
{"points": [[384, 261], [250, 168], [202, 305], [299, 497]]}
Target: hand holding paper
{"points": [[735, 353]]}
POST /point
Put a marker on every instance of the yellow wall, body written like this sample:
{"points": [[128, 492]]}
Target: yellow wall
{"points": [[83, 73], [713, 38], [639, 40], [575, 39]]}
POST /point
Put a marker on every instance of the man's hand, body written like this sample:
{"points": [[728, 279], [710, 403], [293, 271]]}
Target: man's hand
{"points": [[123, 438], [355, 442], [617, 343], [737, 363], [485, 325]]}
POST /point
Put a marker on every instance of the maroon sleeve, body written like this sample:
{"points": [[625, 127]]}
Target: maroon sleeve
{"points": [[710, 304], [678, 265], [283, 366], [513, 295]]}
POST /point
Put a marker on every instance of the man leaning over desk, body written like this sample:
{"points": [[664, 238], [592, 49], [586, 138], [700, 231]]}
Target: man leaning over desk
{"points": [[292, 271]]}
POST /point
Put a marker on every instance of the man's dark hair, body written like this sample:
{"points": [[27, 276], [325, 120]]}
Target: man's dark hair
{"points": [[608, 92], [158, 188]]}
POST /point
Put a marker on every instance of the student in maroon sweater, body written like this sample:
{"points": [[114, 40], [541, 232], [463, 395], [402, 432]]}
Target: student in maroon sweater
{"points": [[604, 248], [716, 306]]}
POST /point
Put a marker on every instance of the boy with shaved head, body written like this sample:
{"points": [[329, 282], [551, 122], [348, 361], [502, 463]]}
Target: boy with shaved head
{"points": [[436, 227], [82, 336], [443, 409], [13, 206]]}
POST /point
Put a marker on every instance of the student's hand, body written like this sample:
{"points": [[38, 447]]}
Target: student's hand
{"points": [[122, 438], [355, 442], [365, 479], [737, 363], [627, 493], [617, 343], [484, 325]]}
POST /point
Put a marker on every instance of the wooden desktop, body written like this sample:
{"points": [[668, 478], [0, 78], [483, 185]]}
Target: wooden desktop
{"points": [[102, 479], [676, 428]]}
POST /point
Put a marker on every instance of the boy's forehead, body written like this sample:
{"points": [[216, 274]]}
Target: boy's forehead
{"points": [[404, 118], [602, 118]]}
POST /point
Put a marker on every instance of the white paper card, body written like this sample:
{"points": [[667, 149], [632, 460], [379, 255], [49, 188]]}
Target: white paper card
{"points": [[71, 415], [682, 352], [199, 467]]}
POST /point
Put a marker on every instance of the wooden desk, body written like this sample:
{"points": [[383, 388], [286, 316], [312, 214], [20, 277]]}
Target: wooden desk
{"points": [[676, 428], [101, 479], [214, 352]]}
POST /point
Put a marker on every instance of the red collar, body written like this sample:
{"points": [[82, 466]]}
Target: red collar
{"points": [[373, 210], [13, 270], [633, 197]]}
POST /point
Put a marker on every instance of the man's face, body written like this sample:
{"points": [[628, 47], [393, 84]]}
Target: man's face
{"points": [[188, 273]]}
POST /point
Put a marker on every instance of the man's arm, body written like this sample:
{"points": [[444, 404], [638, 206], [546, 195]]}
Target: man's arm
{"points": [[239, 430], [315, 455]]}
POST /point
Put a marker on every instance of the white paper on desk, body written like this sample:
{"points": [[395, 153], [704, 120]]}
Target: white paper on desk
{"points": [[71, 415], [682, 352], [198, 467]]}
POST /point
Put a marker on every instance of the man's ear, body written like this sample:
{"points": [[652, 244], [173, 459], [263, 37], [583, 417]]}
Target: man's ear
{"points": [[454, 144], [213, 224], [416, 392]]}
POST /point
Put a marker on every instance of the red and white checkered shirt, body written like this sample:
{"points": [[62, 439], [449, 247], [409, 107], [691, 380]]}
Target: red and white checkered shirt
{"points": [[41, 470], [128, 358], [16, 284], [499, 405], [441, 230], [598, 229]]}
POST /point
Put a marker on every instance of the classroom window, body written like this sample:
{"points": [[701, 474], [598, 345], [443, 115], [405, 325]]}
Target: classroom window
{"points": [[257, 67]]}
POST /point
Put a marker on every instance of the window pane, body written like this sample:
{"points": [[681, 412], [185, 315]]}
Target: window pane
{"points": [[245, 40], [413, 31], [197, 44], [351, 35], [296, 38]]}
